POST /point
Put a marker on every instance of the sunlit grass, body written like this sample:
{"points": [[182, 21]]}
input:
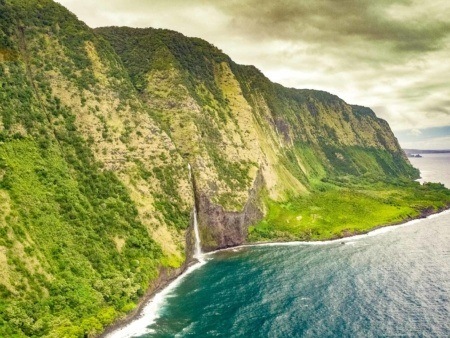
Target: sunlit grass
{"points": [[338, 212]]}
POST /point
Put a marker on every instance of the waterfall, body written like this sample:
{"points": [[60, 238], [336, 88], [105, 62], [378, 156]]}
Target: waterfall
{"points": [[198, 254], [198, 248]]}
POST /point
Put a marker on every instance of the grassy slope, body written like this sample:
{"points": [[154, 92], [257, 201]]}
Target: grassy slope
{"points": [[333, 211], [183, 85], [293, 135], [335, 145]]}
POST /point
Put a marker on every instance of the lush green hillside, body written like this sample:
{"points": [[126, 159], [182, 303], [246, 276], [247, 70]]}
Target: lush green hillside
{"points": [[94, 196], [313, 132], [236, 126], [96, 132]]}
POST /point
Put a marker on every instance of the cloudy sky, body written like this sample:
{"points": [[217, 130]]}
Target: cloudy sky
{"points": [[390, 55]]}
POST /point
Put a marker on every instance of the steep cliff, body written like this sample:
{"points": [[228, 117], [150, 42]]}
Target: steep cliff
{"points": [[233, 124], [94, 195], [97, 130]]}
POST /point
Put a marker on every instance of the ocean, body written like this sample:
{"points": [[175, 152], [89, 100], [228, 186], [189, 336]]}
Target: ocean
{"points": [[394, 281]]}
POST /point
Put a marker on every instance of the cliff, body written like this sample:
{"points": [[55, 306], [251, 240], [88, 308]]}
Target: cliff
{"points": [[233, 124], [95, 197], [97, 128]]}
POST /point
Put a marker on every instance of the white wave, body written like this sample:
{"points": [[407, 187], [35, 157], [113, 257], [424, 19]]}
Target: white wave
{"points": [[376, 232], [439, 214], [150, 312], [185, 330]]}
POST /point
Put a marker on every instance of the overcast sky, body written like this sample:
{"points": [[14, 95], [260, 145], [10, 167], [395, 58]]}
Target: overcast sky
{"points": [[390, 55]]}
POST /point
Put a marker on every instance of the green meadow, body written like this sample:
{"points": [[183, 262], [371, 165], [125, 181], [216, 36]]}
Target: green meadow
{"points": [[333, 211]]}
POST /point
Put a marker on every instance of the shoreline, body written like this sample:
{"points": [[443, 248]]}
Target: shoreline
{"points": [[165, 277], [172, 277], [346, 238]]}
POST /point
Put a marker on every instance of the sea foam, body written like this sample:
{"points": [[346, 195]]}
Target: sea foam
{"points": [[150, 312]]}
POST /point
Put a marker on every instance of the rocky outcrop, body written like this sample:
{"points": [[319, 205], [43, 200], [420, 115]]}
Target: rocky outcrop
{"points": [[220, 228]]}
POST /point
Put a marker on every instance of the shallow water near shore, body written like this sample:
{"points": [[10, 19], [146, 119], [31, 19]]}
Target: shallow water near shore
{"points": [[393, 282]]}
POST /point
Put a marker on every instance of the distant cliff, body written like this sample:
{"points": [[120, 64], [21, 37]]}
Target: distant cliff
{"points": [[97, 128]]}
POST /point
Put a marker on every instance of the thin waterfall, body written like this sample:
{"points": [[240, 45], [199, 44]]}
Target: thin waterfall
{"points": [[198, 254]]}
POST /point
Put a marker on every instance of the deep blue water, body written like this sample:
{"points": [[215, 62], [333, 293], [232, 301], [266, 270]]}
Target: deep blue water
{"points": [[395, 283]]}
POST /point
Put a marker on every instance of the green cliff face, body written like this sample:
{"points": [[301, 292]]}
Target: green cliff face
{"points": [[94, 195], [239, 129], [236, 122], [97, 128]]}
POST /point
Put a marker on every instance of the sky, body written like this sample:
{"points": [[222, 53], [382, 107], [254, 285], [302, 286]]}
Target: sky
{"points": [[390, 55]]}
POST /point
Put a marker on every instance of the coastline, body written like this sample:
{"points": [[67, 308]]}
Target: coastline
{"points": [[165, 277], [168, 277], [428, 213]]}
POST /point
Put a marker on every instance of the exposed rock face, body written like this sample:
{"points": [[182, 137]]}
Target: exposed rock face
{"points": [[220, 228]]}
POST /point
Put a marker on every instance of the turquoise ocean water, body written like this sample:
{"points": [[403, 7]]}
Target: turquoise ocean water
{"points": [[393, 283]]}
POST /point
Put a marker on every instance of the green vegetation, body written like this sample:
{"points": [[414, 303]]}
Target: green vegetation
{"points": [[74, 253], [333, 211], [68, 277], [345, 139], [96, 130], [165, 50], [184, 71]]}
